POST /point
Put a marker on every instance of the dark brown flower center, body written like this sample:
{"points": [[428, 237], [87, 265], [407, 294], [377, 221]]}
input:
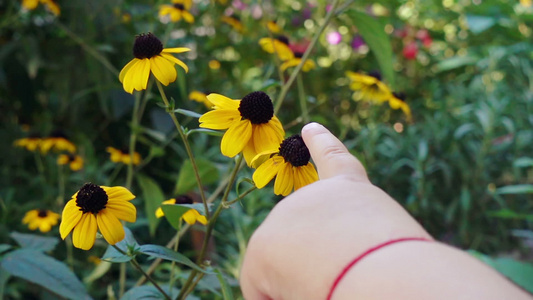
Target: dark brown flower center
{"points": [[179, 6], [283, 39], [42, 213], [147, 46], [183, 199], [375, 74], [294, 151], [399, 95], [91, 198], [257, 107], [298, 54]]}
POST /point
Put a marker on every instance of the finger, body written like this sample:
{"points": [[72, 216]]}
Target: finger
{"points": [[330, 155]]}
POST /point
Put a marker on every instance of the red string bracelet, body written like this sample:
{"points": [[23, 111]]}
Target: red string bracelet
{"points": [[363, 255]]}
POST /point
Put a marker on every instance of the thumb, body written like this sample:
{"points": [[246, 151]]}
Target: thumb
{"points": [[330, 155]]}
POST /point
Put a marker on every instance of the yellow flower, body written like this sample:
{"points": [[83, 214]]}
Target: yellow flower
{"points": [[50, 5], [191, 216], [289, 164], [233, 21], [179, 9], [30, 143], [251, 125], [200, 97], [278, 46], [119, 156], [150, 57], [273, 27], [396, 101], [75, 162], [368, 87], [293, 62], [95, 207], [57, 141], [40, 218], [214, 64]]}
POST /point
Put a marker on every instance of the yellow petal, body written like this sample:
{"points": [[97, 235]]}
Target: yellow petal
{"points": [[176, 50], [70, 218], [249, 152], [190, 216], [29, 216], [285, 180], [266, 137], [187, 16], [266, 171], [159, 212], [308, 65], [123, 210], [110, 227], [223, 102], [45, 227], [304, 175], [84, 233], [118, 193], [126, 68], [142, 72], [161, 70], [128, 78], [201, 219], [290, 63], [219, 119], [236, 138], [176, 61], [262, 157]]}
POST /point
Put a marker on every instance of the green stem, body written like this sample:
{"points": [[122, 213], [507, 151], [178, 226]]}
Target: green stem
{"points": [[229, 203], [191, 288], [113, 175], [303, 101], [40, 165], [187, 147], [173, 265], [286, 86], [70, 256]]}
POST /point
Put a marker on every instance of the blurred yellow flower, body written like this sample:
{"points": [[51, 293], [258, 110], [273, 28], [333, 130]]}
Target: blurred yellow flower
{"points": [[49, 4], [214, 64], [368, 87], [57, 141], [30, 143], [150, 57], [278, 46], [293, 62], [190, 217], [179, 9], [289, 164], [200, 97], [273, 27], [40, 218], [250, 123], [119, 156], [396, 101], [97, 207], [233, 21], [75, 162]]}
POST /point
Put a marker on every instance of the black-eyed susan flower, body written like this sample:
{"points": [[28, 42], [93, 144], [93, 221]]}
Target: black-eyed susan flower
{"points": [[278, 46], [251, 125], [150, 57], [397, 101], [273, 27], [41, 219], [200, 97], [368, 87], [57, 141], [178, 10], [97, 207], [123, 156], [75, 162], [298, 51], [234, 21], [30, 143], [289, 164], [191, 216], [49, 4]]}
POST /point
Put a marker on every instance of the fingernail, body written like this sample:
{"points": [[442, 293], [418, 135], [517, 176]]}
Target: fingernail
{"points": [[312, 126]]}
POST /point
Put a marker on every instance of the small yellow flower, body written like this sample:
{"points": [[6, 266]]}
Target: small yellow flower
{"points": [[30, 143], [396, 101], [97, 207], [179, 9], [119, 156], [289, 164], [57, 141], [150, 57], [251, 125], [40, 218], [200, 97], [293, 62], [278, 46], [214, 64], [191, 216], [49, 4], [368, 87], [233, 21], [273, 27], [75, 162]]}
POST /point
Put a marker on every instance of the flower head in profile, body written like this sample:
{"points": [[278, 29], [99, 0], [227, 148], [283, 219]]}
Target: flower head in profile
{"points": [[57, 141], [200, 97], [49, 4], [368, 87], [234, 21], [251, 125], [278, 46], [74, 161], [123, 156], [30, 143], [190, 217], [41, 219], [97, 207], [289, 164], [178, 10], [150, 57], [397, 101]]}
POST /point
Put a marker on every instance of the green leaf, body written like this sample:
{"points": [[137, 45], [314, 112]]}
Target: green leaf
{"points": [[173, 212], [373, 32], [509, 214], [478, 24], [100, 270], [4, 248], [167, 254], [35, 242], [188, 113], [523, 162], [4, 277], [38, 268], [206, 131], [147, 292], [153, 197], [113, 255], [455, 62], [226, 289], [187, 179], [516, 189]]}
